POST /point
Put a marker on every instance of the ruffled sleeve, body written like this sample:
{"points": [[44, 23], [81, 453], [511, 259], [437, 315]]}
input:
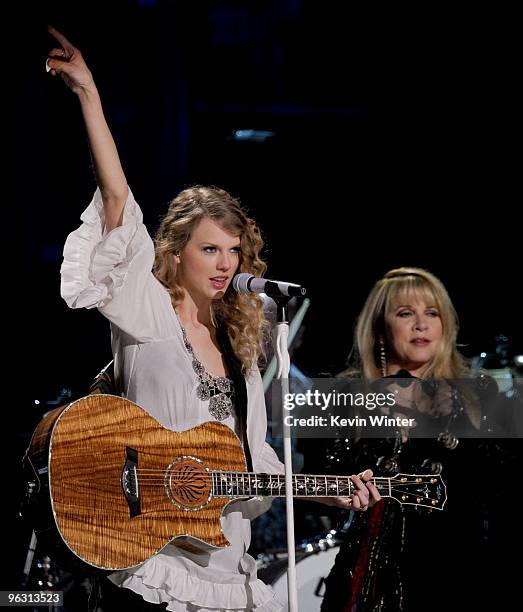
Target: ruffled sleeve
{"points": [[112, 271]]}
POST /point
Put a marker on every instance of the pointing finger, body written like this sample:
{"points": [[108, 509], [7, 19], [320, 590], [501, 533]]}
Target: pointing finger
{"points": [[69, 48]]}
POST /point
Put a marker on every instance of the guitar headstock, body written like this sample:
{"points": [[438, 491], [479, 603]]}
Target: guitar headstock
{"points": [[426, 490]]}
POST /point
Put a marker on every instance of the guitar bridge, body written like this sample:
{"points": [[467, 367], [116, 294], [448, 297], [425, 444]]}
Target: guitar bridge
{"points": [[131, 489]]}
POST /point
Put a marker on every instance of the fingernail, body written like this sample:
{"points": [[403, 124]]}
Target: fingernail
{"points": [[47, 67]]}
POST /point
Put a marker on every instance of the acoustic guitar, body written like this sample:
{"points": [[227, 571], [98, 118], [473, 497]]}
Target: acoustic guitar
{"points": [[119, 486]]}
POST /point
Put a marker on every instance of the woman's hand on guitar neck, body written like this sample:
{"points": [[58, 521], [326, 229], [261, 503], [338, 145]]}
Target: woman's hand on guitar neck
{"points": [[365, 494]]}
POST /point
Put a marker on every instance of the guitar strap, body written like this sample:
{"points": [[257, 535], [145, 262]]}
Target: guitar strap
{"points": [[240, 386]]}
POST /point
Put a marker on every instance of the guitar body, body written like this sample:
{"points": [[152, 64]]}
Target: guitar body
{"points": [[109, 486], [121, 486]]}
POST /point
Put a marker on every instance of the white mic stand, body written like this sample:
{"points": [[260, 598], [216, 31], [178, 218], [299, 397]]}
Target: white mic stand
{"points": [[282, 352]]}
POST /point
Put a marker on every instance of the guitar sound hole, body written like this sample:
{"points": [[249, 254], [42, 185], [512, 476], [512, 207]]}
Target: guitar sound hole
{"points": [[188, 483]]}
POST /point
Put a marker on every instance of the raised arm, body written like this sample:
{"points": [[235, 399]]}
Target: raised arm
{"points": [[68, 63]]}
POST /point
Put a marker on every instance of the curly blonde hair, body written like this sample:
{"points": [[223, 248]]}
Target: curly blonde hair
{"points": [[448, 363], [242, 314]]}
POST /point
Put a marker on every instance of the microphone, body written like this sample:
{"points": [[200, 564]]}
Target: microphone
{"points": [[247, 283]]}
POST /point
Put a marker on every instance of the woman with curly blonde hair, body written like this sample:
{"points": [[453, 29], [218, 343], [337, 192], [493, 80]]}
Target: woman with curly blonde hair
{"points": [[185, 348], [242, 314]]}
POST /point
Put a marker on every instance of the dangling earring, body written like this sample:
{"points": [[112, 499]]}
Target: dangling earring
{"points": [[177, 254], [383, 357]]}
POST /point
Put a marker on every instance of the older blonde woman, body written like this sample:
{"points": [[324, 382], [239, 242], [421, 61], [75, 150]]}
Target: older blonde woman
{"points": [[396, 558]]}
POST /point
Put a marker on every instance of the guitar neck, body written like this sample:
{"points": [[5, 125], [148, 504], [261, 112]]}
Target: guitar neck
{"points": [[245, 484], [411, 489]]}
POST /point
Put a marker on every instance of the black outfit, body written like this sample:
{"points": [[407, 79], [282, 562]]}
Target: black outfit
{"points": [[398, 558]]}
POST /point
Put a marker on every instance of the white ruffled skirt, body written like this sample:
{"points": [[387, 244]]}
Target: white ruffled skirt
{"points": [[223, 580]]}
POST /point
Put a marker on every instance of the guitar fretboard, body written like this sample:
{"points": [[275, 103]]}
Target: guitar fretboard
{"points": [[245, 484]]}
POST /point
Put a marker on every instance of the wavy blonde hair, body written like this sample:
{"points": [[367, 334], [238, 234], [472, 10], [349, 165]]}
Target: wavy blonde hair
{"points": [[242, 314], [401, 282]]}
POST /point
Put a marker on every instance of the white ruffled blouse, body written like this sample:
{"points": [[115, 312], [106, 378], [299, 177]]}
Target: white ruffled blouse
{"points": [[112, 272]]}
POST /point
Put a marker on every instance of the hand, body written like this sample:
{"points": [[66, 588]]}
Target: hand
{"points": [[68, 63], [360, 500]]}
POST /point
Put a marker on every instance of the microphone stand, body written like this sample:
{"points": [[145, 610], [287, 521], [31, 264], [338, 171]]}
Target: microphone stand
{"points": [[284, 363], [294, 327]]}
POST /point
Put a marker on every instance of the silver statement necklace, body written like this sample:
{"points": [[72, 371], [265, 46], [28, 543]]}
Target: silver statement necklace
{"points": [[217, 390]]}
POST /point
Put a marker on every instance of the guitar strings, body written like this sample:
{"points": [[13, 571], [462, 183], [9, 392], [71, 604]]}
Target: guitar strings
{"points": [[217, 484], [154, 475]]}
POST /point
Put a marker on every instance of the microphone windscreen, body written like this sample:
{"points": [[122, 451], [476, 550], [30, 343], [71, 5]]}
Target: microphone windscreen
{"points": [[240, 282]]}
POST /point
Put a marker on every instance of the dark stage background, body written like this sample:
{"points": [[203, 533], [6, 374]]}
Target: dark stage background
{"points": [[394, 143]]}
